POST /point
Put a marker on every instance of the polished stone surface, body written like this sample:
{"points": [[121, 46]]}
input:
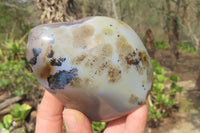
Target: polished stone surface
{"points": [[97, 65]]}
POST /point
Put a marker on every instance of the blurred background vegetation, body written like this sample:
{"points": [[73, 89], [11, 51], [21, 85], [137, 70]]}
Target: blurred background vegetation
{"points": [[168, 28]]}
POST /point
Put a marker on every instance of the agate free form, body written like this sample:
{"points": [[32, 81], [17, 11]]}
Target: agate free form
{"points": [[97, 65]]}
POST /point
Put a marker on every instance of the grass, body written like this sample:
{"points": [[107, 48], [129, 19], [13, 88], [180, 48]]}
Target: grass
{"points": [[161, 45], [187, 47]]}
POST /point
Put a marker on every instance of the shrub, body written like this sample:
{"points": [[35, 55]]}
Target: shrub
{"points": [[161, 99]]}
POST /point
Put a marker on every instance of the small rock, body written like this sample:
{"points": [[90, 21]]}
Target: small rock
{"points": [[33, 116]]}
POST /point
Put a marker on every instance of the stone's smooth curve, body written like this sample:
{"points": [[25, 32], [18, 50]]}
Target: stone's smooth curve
{"points": [[97, 65]]}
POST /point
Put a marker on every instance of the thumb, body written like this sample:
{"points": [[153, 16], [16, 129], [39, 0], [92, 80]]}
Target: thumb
{"points": [[76, 122]]}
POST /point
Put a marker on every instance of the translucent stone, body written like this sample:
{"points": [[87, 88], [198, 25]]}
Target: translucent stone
{"points": [[97, 65]]}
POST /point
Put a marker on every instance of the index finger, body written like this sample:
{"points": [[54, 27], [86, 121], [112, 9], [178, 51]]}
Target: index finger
{"points": [[49, 116]]}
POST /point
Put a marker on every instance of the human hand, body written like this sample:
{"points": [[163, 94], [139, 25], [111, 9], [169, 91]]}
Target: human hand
{"points": [[51, 115]]}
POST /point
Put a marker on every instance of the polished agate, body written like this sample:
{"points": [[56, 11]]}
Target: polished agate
{"points": [[97, 65]]}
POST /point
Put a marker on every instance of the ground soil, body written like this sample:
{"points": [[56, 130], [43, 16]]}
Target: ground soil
{"points": [[187, 118]]}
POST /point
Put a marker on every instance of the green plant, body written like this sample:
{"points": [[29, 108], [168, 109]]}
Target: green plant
{"points": [[14, 69], [161, 45], [13, 48], [98, 127], [187, 47], [17, 79], [20, 112], [15, 13], [162, 99], [64, 127], [6, 124], [154, 113], [21, 132]]}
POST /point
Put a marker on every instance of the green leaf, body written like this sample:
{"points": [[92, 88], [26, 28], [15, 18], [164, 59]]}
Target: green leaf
{"points": [[158, 115], [1, 126], [173, 93], [160, 98], [152, 108], [19, 79], [174, 78], [158, 70], [154, 63], [173, 86], [158, 88], [98, 126], [20, 112], [161, 78], [154, 114], [169, 101], [26, 110], [7, 121], [19, 92], [179, 89], [15, 111]]}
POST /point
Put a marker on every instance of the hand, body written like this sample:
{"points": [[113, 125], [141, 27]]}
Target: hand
{"points": [[50, 119]]}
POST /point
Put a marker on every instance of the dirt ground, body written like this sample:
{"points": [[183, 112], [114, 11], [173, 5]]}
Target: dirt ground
{"points": [[187, 119]]}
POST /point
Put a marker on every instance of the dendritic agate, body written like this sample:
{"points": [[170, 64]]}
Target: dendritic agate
{"points": [[97, 65]]}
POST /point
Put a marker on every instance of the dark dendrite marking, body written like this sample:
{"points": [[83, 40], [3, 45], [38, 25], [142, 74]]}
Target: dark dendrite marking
{"points": [[57, 62], [135, 58], [132, 59], [50, 55], [36, 53], [62, 78], [133, 99], [114, 74], [140, 102]]}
